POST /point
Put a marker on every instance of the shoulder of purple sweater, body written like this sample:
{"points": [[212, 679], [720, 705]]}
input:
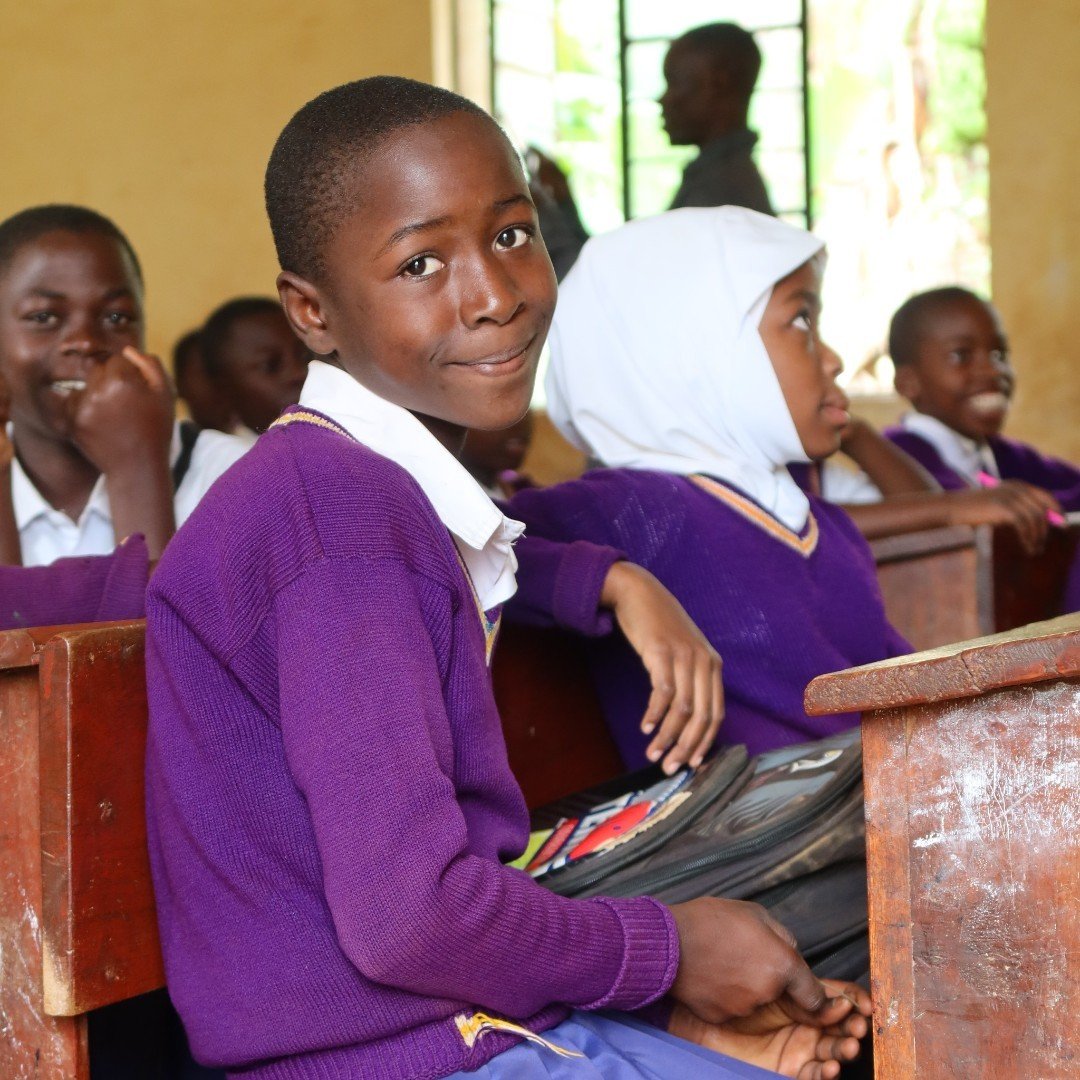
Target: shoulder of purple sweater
{"points": [[585, 508], [302, 493], [926, 455], [1024, 454]]}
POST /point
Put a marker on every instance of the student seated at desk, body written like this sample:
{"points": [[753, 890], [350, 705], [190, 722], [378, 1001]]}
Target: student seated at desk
{"points": [[207, 405], [329, 801], [255, 360], [98, 455], [685, 356], [952, 364]]}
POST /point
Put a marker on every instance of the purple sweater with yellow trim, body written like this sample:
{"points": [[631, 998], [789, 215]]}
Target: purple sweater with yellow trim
{"points": [[328, 796], [779, 609]]}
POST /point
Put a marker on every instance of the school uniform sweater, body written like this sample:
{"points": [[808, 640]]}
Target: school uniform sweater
{"points": [[328, 796], [1015, 461], [95, 588], [780, 608]]}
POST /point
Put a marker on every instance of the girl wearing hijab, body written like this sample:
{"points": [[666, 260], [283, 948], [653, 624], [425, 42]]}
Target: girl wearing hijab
{"points": [[685, 356]]}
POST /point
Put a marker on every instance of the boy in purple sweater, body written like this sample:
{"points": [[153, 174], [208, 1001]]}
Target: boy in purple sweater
{"points": [[952, 364], [328, 796]]}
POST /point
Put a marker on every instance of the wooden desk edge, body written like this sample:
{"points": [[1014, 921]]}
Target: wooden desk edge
{"points": [[923, 542], [1034, 653], [22, 647]]}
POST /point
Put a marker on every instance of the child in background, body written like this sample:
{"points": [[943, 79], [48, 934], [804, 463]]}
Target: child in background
{"points": [[97, 454], [685, 356], [952, 364], [255, 360], [207, 406], [494, 458], [329, 802]]}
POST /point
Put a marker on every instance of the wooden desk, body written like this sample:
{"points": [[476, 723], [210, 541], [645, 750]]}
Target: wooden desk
{"points": [[972, 770], [947, 585], [77, 923]]}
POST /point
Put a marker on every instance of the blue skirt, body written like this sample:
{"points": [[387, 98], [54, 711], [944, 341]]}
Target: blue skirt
{"points": [[615, 1048]]}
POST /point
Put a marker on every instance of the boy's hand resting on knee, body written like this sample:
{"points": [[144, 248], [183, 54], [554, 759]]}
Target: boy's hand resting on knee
{"points": [[687, 701], [1012, 502]]}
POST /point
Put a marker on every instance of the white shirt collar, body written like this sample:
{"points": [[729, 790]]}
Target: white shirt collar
{"points": [[961, 454], [29, 504], [484, 535]]}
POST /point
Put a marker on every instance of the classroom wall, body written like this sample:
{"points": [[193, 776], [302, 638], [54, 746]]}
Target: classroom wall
{"points": [[1033, 76], [162, 116]]}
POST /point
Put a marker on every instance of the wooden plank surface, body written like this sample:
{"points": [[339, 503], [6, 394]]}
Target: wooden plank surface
{"points": [[1030, 654], [100, 938], [974, 865], [936, 585], [888, 896], [32, 1044]]}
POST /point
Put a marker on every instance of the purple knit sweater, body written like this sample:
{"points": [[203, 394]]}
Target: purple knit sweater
{"points": [[1015, 461], [94, 588], [777, 615], [328, 794]]}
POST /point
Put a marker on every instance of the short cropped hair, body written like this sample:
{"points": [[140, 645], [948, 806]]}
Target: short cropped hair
{"points": [[730, 48], [219, 322], [28, 225], [313, 169], [908, 325]]}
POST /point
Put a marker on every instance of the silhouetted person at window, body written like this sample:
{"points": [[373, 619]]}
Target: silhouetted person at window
{"points": [[710, 72]]}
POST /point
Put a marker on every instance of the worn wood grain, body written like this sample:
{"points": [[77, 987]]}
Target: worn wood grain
{"points": [[891, 964], [936, 585], [32, 1043], [100, 939], [945, 585], [556, 737], [973, 809], [1034, 653]]}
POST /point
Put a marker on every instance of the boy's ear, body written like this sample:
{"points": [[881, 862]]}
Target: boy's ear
{"points": [[906, 382], [303, 306]]}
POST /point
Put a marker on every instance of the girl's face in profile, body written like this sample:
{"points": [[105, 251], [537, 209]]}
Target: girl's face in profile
{"points": [[805, 366]]}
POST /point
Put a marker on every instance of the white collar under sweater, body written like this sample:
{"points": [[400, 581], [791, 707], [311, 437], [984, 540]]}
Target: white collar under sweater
{"points": [[961, 454], [483, 534]]}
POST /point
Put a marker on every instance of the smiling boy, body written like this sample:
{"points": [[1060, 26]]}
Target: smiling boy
{"points": [[97, 453], [952, 364], [329, 800]]}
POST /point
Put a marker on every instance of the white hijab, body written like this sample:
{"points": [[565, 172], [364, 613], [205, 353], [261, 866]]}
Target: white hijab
{"points": [[656, 360]]}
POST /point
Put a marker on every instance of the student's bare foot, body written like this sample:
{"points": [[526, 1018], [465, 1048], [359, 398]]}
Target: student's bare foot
{"points": [[781, 1037]]}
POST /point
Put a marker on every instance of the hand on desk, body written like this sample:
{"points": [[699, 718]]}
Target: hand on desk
{"points": [[687, 701], [1012, 502]]}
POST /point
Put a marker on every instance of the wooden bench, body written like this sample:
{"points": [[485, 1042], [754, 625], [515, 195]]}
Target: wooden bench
{"points": [[972, 772], [952, 584], [77, 923]]}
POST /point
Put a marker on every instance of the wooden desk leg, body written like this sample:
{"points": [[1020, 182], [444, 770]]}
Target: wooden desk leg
{"points": [[973, 847], [33, 1046], [891, 978]]}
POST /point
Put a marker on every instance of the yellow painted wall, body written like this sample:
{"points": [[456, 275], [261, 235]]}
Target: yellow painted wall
{"points": [[162, 113], [1033, 76]]}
